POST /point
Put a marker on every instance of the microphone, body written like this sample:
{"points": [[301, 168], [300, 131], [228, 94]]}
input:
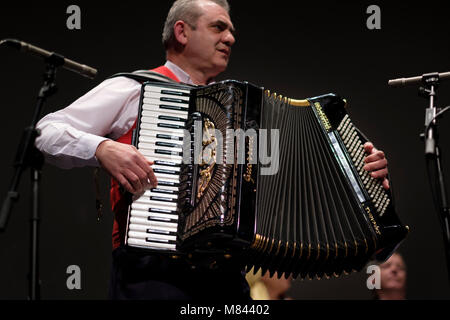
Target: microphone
{"points": [[68, 64], [416, 80]]}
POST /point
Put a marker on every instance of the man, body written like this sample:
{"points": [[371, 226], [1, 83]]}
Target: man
{"points": [[198, 36]]}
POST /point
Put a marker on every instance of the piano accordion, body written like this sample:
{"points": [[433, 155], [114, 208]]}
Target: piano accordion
{"points": [[317, 214]]}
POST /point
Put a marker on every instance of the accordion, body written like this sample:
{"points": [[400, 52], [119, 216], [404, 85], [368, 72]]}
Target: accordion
{"points": [[274, 183]]}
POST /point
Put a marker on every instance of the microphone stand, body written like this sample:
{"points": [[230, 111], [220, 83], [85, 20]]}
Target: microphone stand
{"points": [[433, 160], [28, 156]]}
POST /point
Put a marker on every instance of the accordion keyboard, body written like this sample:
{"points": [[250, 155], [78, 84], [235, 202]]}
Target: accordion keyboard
{"points": [[153, 216], [373, 186]]}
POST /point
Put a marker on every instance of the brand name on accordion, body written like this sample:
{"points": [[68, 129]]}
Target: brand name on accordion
{"points": [[372, 220], [322, 116]]}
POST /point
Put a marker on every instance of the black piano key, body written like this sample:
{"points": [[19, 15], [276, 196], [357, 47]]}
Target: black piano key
{"points": [[150, 239], [175, 93], [171, 118], [165, 171], [166, 163], [163, 211], [168, 152], [170, 126], [177, 108], [166, 99], [158, 231], [152, 218], [156, 198], [167, 144], [156, 190], [168, 183], [169, 137]]}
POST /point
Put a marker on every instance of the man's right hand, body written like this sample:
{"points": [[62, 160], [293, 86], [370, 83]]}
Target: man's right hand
{"points": [[127, 165]]}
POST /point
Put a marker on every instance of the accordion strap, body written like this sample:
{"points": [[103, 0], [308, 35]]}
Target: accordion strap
{"points": [[143, 76]]}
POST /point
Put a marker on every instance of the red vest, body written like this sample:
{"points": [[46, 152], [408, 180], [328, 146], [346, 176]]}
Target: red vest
{"points": [[119, 203]]}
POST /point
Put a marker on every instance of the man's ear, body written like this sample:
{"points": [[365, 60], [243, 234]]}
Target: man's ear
{"points": [[180, 32]]}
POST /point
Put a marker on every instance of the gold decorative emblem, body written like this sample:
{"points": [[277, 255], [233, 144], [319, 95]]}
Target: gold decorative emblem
{"points": [[208, 156], [248, 172]]}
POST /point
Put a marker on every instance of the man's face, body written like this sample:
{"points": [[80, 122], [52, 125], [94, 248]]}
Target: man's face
{"points": [[209, 46], [393, 273]]}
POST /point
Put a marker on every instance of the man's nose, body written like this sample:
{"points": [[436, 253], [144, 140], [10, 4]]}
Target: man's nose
{"points": [[229, 38]]}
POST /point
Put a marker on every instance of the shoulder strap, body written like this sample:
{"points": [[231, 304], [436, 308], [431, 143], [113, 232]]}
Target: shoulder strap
{"points": [[143, 76]]}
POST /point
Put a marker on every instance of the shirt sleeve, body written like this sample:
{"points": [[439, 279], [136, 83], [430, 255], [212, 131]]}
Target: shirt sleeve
{"points": [[70, 137]]}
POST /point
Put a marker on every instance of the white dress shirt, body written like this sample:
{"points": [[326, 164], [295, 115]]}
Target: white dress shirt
{"points": [[70, 137]]}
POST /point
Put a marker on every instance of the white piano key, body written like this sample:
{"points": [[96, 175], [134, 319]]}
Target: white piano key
{"points": [[169, 112], [157, 101], [157, 166], [163, 226], [151, 138], [162, 115], [152, 245], [145, 214], [148, 201], [153, 236], [156, 112], [168, 177], [158, 95], [154, 127], [156, 120], [174, 136], [158, 89], [145, 205], [153, 228], [151, 146], [159, 194], [169, 188], [152, 156]]}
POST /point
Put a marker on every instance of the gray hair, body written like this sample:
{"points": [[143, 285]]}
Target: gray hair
{"points": [[187, 11]]}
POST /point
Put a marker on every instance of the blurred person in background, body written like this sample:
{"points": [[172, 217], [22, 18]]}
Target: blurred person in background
{"points": [[392, 279], [267, 287]]}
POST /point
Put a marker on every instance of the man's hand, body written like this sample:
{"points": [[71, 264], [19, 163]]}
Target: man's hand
{"points": [[127, 165], [376, 163]]}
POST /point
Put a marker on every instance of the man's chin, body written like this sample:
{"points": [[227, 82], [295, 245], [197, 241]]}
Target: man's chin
{"points": [[220, 67]]}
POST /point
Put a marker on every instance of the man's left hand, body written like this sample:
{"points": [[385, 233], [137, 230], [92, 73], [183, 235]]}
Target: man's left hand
{"points": [[376, 163]]}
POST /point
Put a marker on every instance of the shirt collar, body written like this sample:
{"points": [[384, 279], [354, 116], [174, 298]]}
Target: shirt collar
{"points": [[178, 72], [182, 75]]}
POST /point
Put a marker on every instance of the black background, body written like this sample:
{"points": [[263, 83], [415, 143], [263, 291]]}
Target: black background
{"points": [[298, 49]]}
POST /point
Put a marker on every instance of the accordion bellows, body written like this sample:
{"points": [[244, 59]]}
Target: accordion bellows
{"points": [[279, 186]]}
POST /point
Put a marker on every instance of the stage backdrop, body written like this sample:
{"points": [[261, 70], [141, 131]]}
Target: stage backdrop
{"points": [[296, 49]]}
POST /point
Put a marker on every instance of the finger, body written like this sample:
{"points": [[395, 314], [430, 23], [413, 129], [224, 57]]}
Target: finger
{"points": [[378, 155], [144, 164], [133, 169], [386, 183], [143, 177], [152, 178], [124, 183], [134, 180], [376, 165], [142, 161], [368, 146], [379, 174]]}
